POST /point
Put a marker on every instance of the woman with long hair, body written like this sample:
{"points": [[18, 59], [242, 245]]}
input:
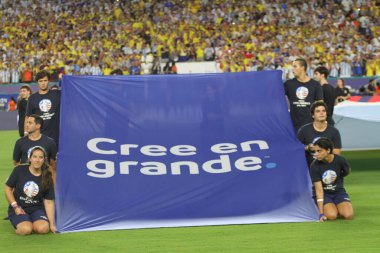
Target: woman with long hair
{"points": [[29, 191]]}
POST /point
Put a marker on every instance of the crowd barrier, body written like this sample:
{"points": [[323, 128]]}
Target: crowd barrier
{"points": [[359, 122]]}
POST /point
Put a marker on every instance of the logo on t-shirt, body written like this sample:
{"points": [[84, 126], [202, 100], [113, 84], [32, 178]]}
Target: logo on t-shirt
{"points": [[329, 177], [45, 105], [31, 189], [302, 92]]}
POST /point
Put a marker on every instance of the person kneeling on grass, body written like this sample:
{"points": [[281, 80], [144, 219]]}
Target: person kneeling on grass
{"points": [[29, 191], [327, 173]]}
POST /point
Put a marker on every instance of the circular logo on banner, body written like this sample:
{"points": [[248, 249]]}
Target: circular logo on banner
{"points": [[45, 105], [31, 189], [302, 92], [329, 177]]}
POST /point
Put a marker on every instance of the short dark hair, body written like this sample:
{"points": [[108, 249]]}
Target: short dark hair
{"points": [[322, 70], [27, 87], [316, 104], [302, 62], [116, 72], [54, 87], [325, 143], [37, 119], [41, 74]]}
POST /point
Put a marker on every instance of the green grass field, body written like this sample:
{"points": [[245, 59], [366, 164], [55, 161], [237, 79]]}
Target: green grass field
{"points": [[359, 235]]}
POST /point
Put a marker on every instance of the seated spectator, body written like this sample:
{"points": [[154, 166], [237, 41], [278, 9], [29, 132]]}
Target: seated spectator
{"points": [[12, 105], [342, 93], [368, 89], [378, 88]]}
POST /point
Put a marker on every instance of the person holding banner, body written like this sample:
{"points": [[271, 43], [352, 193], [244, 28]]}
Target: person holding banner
{"points": [[301, 92], [34, 138], [327, 173], [311, 132], [30, 193], [46, 103]]}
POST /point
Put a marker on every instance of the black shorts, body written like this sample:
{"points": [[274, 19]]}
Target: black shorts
{"points": [[336, 198], [15, 219]]}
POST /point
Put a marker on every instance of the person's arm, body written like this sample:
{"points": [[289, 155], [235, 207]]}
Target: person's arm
{"points": [[49, 208], [53, 154], [11, 200], [345, 169], [336, 151], [17, 154], [319, 93], [348, 94], [337, 140], [28, 112], [25, 120], [319, 195], [302, 138]]}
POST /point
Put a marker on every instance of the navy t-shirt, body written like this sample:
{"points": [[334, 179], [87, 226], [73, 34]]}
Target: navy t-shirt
{"points": [[24, 145], [308, 135], [48, 107], [27, 189], [301, 96], [330, 174]]}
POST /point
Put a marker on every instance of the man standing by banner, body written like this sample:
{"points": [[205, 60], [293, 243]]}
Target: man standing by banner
{"points": [[34, 138], [301, 91], [46, 103], [22, 102], [311, 132]]}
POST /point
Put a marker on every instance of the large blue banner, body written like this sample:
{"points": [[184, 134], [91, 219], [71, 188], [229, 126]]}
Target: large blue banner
{"points": [[178, 150]]}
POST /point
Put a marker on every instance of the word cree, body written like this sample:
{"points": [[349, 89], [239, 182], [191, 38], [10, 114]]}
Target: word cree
{"points": [[106, 168]]}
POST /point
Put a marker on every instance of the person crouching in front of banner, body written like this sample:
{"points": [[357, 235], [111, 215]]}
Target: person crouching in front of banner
{"points": [[327, 173], [30, 193]]}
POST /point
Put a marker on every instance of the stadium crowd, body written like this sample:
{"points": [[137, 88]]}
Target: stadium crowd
{"points": [[136, 37]]}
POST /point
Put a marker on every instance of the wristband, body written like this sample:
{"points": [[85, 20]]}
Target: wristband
{"points": [[319, 200], [14, 204]]}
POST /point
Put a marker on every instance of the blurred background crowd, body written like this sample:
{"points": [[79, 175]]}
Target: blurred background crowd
{"points": [[148, 37]]}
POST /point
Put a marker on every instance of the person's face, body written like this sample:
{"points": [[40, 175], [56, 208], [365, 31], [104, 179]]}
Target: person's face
{"points": [[317, 76], [320, 153], [37, 159], [320, 113], [340, 83], [31, 125], [43, 84], [297, 69], [24, 93]]}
